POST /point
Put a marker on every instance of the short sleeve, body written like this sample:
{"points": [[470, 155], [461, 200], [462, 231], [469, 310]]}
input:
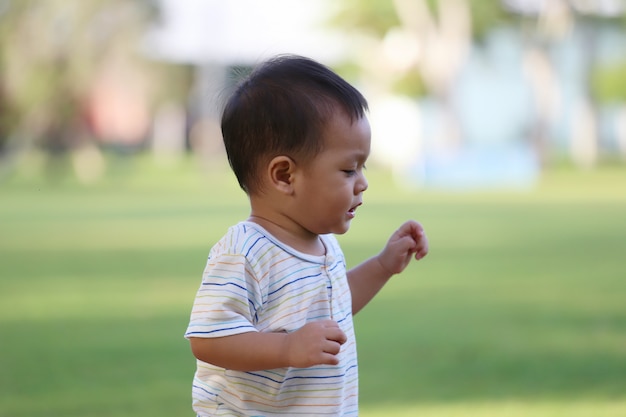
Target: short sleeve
{"points": [[226, 301]]}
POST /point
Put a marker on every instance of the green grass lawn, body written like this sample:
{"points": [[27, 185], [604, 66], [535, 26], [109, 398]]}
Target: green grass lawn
{"points": [[519, 309]]}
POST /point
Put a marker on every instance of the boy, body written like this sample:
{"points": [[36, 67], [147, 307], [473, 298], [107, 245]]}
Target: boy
{"points": [[271, 326]]}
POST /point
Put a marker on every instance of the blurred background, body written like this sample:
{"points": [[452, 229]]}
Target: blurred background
{"points": [[463, 93], [498, 124]]}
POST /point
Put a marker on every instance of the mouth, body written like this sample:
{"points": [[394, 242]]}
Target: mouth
{"points": [[352, 211]]}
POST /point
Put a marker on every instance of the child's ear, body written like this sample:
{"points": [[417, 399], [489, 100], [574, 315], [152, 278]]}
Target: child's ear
{"points": [[280, 170]]}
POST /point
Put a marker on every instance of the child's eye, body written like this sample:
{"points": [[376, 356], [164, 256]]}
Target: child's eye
{"points": [[349, 172]]}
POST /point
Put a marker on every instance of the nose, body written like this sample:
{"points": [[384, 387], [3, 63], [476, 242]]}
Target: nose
{"points": [[362, 184]]}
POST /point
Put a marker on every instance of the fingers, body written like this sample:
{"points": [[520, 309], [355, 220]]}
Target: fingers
{"points": [[334, 332], [317, 342], [408, 241], [416, 230], [421, 248], [332, 347], [329, 359], [335, 337], [419, 244]]}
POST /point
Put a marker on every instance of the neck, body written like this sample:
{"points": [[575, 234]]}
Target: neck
{"points": [[305, 242]]}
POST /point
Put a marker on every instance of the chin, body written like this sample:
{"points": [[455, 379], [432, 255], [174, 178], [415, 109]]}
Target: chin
{"points": [[341, 230]]}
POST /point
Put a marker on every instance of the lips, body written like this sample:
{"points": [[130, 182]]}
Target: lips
{"points": [[352, 210]]}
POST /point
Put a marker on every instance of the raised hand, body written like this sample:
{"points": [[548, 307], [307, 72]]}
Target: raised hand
{"points": [[406, 242]]}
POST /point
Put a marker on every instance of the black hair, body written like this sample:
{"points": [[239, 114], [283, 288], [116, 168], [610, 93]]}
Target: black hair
{"points": [[282, 108]]}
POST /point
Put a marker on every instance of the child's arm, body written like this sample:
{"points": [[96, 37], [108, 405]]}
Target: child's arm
{"points": [[315, 343], [369, 277]]}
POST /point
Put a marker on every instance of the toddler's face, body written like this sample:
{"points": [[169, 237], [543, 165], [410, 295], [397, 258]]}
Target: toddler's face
{"points": [[333, 182]]}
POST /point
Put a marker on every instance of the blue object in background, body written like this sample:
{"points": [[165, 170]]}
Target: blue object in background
{"points": [[481, 167]]}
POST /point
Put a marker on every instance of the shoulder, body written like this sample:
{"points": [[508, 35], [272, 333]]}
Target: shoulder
{"points": [[239, 239], [250, 245]]}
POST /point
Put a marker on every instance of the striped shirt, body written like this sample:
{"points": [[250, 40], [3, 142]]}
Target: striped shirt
{"points": [[253, 282]]}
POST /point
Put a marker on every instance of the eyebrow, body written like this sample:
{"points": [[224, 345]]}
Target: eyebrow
{"points": [[359, 158]]}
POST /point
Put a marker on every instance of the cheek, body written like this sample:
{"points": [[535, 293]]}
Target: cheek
{"points": [[342, 195]]}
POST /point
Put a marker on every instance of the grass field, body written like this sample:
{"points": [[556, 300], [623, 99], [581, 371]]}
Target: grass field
{"points": [[519, 309]]}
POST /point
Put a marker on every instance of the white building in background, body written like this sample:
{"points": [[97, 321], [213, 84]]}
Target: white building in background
{"points": [[215, 36], [243, 32]]}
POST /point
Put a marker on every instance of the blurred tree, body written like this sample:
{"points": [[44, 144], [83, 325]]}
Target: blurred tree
{"points": [[377, 17], [417, 47], [51, 54], [549, 24], [609, 84]]}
